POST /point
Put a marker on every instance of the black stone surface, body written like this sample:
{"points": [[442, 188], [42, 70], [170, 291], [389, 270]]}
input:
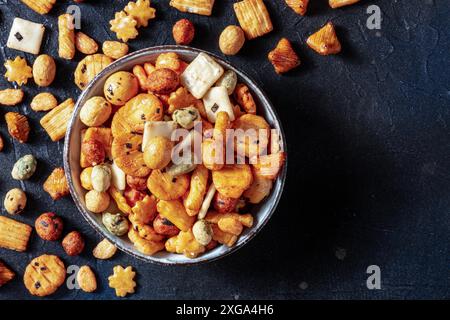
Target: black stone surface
{"points": [[368, 141]]}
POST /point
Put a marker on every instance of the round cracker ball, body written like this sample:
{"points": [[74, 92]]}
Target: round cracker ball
{"points": [[95, 112], [163, 81], [97, 202], [73, 243], [15, 201], [120, 87], [85, 178], [158, 152], [49, 226], [183, 32]]}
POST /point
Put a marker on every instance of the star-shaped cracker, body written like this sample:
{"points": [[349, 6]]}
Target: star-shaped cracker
{"points": [[122, 280], [124, 26], [18, 70], [141, 12]]}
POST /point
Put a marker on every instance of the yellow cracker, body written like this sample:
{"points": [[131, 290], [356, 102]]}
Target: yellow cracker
{"points": [[40, 6], [55, 122], [203, 7], [253, 18], [56, 184], [122, 280], [6, 274], [44, 275], [223, 237], [89, 67], [14, 235]]}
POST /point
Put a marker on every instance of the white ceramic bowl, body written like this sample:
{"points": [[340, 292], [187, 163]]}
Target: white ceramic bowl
{"points": [[261, 212]]}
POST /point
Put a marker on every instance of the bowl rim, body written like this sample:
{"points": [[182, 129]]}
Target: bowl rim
{"points": [[158, 50]]}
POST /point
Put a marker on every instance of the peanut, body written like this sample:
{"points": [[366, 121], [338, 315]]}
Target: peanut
{"points": [[44, 101], [114, 49], [85, 44], [86, 279], [231, 40], [11, 97], [44, 70]]}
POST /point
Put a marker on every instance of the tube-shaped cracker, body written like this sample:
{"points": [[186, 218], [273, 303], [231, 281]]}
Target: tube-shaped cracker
{"points": [[66, 36], [14, 235], [253, 18], [55, 122], [40, 6], [203, 7]]}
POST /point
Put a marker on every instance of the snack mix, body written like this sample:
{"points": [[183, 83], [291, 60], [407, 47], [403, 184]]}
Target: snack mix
{"points": [[173, 154]]}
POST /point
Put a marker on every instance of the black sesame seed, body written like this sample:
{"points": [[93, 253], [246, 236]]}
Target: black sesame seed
{"points": [[128, 145], [18, 36], [214, 107], [166, 222], [37, 285], [110, 90]]}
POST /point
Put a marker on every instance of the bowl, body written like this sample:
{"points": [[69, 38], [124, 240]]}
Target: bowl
{"points": [[261, 213]]}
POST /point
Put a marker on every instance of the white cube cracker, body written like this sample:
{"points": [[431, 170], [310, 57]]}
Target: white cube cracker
{"points": [[25, 36], [216, 100], [200, 75]]}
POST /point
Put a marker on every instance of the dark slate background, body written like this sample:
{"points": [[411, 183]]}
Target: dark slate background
{"points": [[368, 141]]}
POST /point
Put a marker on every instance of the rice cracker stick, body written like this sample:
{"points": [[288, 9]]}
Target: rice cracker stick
{"points": [[14, 235], [66, 36]]}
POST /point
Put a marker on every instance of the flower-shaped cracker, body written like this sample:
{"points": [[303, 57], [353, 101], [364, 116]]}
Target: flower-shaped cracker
{"points": [[140, 11], [122, 280], [18, 70], [124, 26]]}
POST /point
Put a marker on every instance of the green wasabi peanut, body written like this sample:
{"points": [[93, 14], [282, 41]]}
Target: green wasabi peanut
{"points": [[178, 169], [228, 80], [186, 117], [117, 224], [101, 177], [24, 168], [202, 232]]}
